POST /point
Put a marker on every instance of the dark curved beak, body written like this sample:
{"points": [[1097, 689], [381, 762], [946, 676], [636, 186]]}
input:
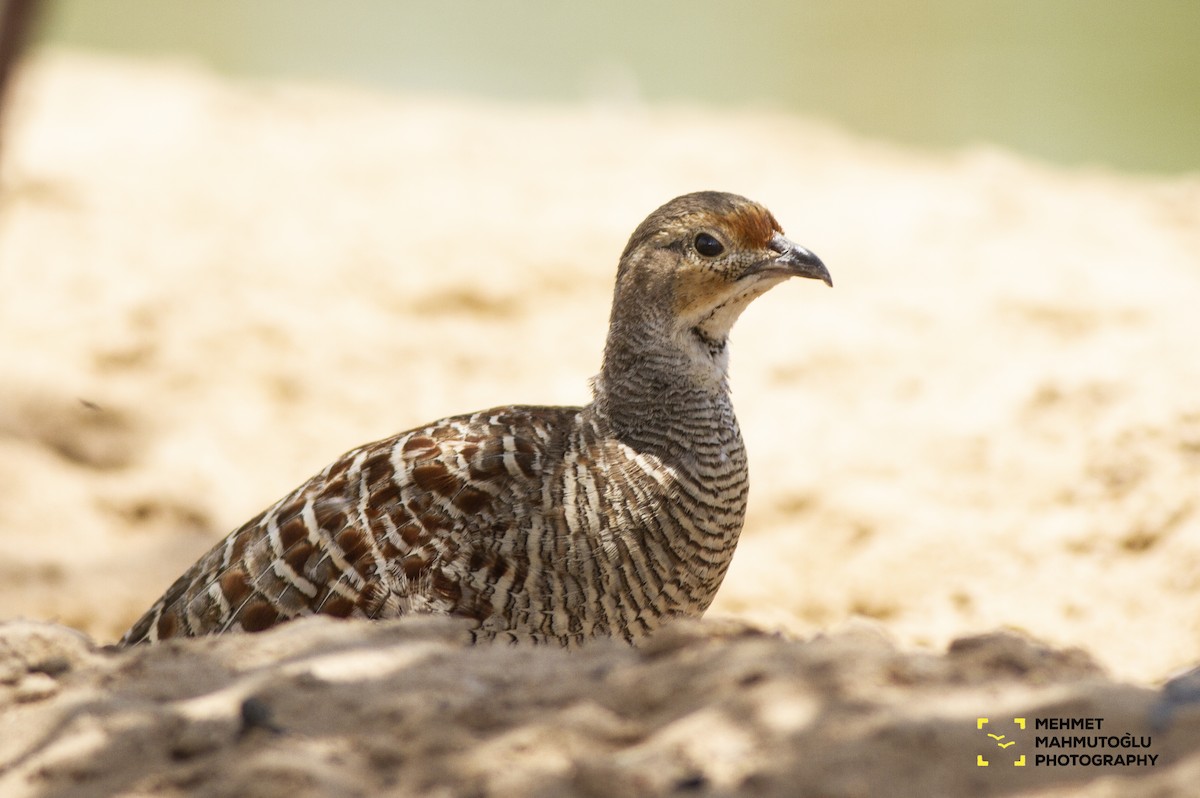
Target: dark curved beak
{"points": [[798, 261]]}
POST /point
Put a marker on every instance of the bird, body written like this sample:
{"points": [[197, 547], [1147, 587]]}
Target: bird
{"points": [[548, 525]]}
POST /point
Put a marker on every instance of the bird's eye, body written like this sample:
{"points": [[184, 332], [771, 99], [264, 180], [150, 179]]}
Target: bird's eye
{"points": [[708, 246]]}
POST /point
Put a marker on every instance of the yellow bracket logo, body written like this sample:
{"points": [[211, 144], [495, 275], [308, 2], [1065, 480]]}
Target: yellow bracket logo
{"points": [[980, 723]]}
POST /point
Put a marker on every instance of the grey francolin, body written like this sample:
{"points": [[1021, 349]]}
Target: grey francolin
{"points": [[550, 524]]}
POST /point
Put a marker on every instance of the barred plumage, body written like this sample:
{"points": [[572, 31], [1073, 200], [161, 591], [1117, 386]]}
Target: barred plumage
{"points": [[548, 524]]}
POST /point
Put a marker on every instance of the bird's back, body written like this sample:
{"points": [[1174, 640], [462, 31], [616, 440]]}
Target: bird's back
{"points": [[381, 531]]}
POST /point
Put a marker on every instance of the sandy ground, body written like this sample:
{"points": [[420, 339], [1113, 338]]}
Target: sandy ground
{"points": [[209, 290]]}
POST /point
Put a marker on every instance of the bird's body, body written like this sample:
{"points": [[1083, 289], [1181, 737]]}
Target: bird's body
{"points": [[549, 524]]}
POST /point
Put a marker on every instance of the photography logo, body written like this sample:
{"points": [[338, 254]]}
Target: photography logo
{"points": [[1061, 742], [998, 738]]}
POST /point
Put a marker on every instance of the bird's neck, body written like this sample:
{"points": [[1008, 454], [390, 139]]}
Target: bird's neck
{"points": [[661, 392]]}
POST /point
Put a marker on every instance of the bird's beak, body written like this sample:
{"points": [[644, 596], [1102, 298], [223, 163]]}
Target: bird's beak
{"points": [[795, 260]]}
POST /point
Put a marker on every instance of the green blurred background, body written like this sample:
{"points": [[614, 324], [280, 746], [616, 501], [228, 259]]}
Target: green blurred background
{"points": [[1106, 82]]}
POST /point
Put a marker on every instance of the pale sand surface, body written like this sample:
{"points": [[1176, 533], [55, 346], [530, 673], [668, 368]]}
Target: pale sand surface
{"points": [[208, 290]]}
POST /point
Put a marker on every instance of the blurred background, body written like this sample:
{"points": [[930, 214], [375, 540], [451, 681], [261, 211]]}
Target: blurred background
{"points": [[1074, 82], [267, 230]]}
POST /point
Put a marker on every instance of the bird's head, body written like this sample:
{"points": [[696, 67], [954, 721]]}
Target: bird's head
{"points": [[694, 265]]}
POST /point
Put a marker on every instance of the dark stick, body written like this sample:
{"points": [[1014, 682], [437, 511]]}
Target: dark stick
{"points": [[16, 26]]}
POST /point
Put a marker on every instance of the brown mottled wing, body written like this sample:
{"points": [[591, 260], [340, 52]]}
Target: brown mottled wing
{"points": [[387, 529]]}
